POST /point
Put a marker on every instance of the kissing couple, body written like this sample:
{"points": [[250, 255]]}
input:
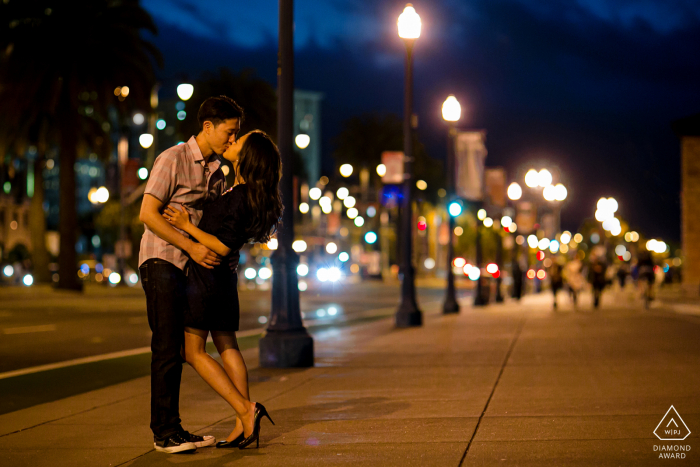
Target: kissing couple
{"points": [[194, 230]]}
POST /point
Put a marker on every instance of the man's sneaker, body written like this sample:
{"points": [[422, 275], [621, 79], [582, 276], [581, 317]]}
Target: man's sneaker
{"points": [[199, 441], [175, 443]]}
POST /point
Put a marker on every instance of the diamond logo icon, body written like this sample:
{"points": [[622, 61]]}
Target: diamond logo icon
{"points": [[672, 427]]}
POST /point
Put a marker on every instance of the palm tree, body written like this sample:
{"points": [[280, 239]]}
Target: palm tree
{"points": [[60, 65]]}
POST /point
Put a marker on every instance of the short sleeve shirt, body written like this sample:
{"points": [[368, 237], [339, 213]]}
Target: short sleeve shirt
{"points": [[181, 177]]}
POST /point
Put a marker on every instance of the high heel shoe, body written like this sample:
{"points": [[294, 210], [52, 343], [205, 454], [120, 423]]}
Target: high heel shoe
{"points": [[230, 444], [258, 414]]}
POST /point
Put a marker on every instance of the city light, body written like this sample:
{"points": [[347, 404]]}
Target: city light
{"points": [[342, 193], [531, 274], [474, 273], [272, 244], [315, 193], [543, 244], [331, 248], [532, 178], [565, 237], [459, 231], [429, 263], [146, 140], [515, 192], [322, 274], [506, 221], [370, 237], [302, 141], [455, 208], [541, 274], [28, 280], [332, 311], [143, 173], [554, 246], [532, 241], [304, 208], [422, 223], [422, 185], [98, 195], [299, 246], [451, 110], [513, 227], [578, 238], [409, 23], [371, 211], [381, 170], [346, 170], [264, 273], [185, 91], [560, 192], [133, 278], [115, 278], [343, 257], [250, 273], [620, 250], [540, 255], [481, 214], [626, 256], [327, 208], [302, 270], [8, 270], [303, 286], [488, 222], [181, 115], [334, 274], [138, 119], [349, 201], [549, 193], [544, 178], [160, 124], [352, 213], [359, 221], [491, 268], [459, 262]]}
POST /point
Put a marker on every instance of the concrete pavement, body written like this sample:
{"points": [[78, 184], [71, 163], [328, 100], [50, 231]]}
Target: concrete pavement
{"points": [[511, 384]]}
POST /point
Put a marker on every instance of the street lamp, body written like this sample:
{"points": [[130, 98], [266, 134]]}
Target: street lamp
{"points": [[185, 91], [515, 192], [408, 313], [286, 342], [451, 112], [146, 140]]}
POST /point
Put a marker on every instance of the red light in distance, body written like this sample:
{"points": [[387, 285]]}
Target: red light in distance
{"points": [[422, 225], [540, 255], [541, 274], [531, 274]]}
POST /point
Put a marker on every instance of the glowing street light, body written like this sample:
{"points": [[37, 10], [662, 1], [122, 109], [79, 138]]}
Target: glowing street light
{"points": [[532, 178], [560, 192], [146, 140], [185, 91], [346, 170], [544, 178], [302, 140], [381, 170], [409, 23], [515, 192], [451, 110]]}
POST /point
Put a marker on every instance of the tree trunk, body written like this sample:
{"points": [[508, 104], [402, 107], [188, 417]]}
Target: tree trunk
{"points": [[37, 225], [68, 217]]}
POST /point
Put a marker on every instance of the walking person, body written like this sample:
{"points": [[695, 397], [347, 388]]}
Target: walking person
{"points": [[186, 175], [517, 273], [597, 278], [556, 280], [251, 210]]}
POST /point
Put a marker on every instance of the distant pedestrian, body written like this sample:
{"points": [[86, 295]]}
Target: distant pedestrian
{"points": [[556, 280], [597, 277], [573, 276], [517, 273], [623, 271]]}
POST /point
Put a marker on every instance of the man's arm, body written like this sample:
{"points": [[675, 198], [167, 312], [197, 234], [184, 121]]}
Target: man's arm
{"points": [[150, 215]]}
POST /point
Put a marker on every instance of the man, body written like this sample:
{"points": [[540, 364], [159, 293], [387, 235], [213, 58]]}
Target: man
{"points": [[186, 175]]}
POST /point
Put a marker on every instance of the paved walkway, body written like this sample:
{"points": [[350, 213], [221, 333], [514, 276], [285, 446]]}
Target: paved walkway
{"points": [[512, 384]]}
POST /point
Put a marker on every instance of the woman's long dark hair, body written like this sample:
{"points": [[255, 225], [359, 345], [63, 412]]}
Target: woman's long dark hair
{"points": [[260, 167]]}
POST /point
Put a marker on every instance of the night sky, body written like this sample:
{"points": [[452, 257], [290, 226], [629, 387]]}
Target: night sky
{"points": [[588, 86]]}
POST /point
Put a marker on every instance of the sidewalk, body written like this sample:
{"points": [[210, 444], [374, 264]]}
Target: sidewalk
{"points": [[511, 384]]}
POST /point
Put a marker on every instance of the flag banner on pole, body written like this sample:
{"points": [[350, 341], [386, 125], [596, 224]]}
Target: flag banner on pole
{"points": [[470, 155], [393, 161]]}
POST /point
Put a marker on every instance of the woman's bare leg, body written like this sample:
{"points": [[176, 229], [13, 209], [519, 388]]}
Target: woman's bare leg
{"points": [[235, 367], [212, 372]]}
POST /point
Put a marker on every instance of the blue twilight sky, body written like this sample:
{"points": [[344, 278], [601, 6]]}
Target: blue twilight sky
{"points": [[589, 86]]}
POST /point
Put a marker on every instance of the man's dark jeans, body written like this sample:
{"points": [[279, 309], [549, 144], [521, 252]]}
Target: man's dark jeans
{"points": [[165, 284]]}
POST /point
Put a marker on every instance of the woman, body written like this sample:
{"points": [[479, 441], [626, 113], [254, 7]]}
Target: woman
{"points": [[250, 210]]}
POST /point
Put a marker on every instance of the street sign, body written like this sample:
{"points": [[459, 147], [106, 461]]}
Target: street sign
{"points": [[470, 152], [393, 161]]}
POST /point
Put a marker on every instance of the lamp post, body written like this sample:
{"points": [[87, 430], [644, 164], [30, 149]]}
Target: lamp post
{"points": [[286, 342], [451, 112], [408, 313]]}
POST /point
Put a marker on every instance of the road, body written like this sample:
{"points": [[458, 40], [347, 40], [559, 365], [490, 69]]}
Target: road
{"points": [[40, 325]]}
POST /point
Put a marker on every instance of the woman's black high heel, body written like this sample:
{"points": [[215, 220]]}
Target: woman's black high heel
{"points": [[259, 413], [230, 444]]}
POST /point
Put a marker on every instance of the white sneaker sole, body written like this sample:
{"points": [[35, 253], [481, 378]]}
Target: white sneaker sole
{"points": [[183, 448], [208, 441]]}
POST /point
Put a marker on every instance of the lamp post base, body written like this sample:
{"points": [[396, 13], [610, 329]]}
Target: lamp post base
{"points": [[408, 315], [481, 294], [287, 349], [450, 306]]}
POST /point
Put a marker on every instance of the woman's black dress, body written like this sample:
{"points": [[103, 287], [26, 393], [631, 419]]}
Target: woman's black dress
{"points": [[212, 294]]}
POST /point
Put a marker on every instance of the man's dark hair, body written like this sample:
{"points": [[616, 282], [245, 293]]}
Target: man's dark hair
{"points": [[217, 109]]}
